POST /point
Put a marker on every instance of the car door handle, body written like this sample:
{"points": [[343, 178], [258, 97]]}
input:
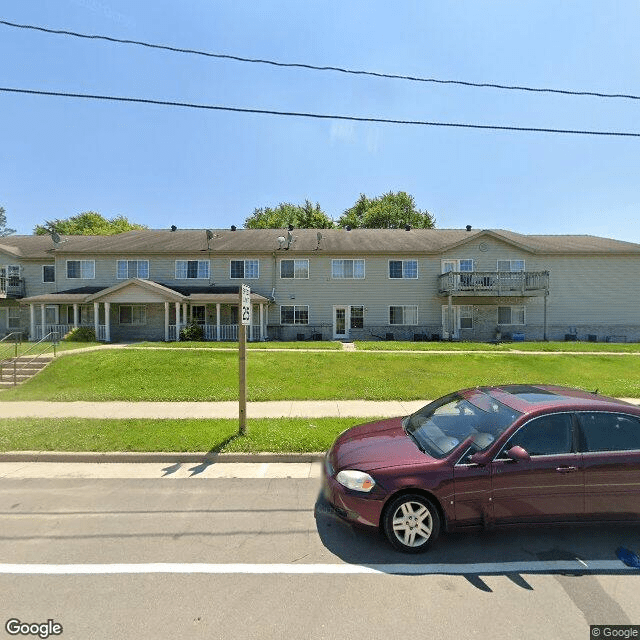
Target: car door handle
{"points": [[566, 469]]}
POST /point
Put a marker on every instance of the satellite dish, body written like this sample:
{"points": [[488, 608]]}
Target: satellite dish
{"points": [[55, 237], [319, 237], [209, 234], [281, 241]]}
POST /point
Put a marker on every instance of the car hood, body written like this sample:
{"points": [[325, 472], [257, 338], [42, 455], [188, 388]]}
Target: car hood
{"points": [[376, 445]]}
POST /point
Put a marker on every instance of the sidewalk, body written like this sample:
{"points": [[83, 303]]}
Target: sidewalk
{"points": [[228, 410]]}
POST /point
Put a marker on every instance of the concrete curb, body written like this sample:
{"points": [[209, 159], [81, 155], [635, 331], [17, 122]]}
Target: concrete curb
{"points": [[157, 457]]}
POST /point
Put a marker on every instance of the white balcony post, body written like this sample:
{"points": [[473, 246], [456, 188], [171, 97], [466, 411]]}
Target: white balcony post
{"points": [[177, 321], [42, 321], [185, 316], [218, 322], [107, 322], [261, 322], [76, 315], [32, 317], [96, 318], [166, 322]]}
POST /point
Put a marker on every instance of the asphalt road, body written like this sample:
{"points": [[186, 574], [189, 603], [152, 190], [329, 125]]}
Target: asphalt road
{"points": [[264, 558]]}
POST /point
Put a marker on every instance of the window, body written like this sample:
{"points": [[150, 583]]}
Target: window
{"points": [[511, 315], [13, 317], [132, 269], [610, 432], [403, 315], [198, 314], [544, 436], [188, 269], [81, 269], [294, 269], [294, 314], [403, 269], [48, 273], [247, 269], [466, 317], [347, 269], [510, 265], [132, 314], [51, 314], [357, 317]]}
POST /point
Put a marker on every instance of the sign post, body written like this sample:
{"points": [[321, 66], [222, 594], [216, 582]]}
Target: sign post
{"points": [[245, 320]]}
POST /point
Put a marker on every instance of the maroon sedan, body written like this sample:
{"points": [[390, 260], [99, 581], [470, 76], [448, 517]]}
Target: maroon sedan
{"points": [[489, 456]]}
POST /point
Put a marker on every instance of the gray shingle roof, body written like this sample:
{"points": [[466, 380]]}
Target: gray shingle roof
{"points": [[190, 242]]}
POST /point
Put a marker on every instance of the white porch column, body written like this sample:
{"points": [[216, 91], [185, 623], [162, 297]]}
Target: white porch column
{"points": [[166, 322], [42, 321], [261, 322], [107, 321], [185, 317], [76, 315], [177, 321], [96, 318], [32, 317], [218, 322]]}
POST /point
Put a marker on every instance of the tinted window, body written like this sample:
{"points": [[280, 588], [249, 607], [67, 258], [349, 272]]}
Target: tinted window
{"points": [[544, 436], [610, 432]]}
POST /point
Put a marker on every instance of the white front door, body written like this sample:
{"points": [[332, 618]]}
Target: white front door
{"points": [[340, 323], [450, 322]]}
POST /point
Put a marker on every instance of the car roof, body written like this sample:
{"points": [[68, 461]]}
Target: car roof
{"points": [[529, 398]]}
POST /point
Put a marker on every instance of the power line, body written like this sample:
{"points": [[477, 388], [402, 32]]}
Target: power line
{"points": [[298, 65], [299, 114]]}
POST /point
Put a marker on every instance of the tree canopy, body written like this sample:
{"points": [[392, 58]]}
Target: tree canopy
{"points": [[4, 230], [389, 211], [307, 216], [88, 223]]}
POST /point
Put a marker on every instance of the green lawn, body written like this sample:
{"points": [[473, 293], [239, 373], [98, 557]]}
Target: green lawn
{"points": [[160, 374], [281, 435], [560, 347], [234, 345]]}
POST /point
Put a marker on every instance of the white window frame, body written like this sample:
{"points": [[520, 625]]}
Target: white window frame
{"points": [[465, 311], [295, 311], [244, 275], [404, 308], [300, 265], [49, 266], [86, 266], [15, 316], [141, 320], [351, 308], [336, 275], [514, 309], [511, 265], [404, 275], [86, 315], [128, 275], [182, 269]]}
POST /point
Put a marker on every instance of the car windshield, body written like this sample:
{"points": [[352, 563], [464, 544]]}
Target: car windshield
{"points": [[441, 426]]}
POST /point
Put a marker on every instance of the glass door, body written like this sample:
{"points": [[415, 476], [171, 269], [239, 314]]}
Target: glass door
{"points": [[339, 323]]}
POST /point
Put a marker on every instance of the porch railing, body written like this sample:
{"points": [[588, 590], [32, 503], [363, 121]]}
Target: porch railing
{"points": [[11, 286], [60, 330], [494, 282], [228, 332]]}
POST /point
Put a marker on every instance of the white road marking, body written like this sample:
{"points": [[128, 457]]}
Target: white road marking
{"points": [[483, 568]]}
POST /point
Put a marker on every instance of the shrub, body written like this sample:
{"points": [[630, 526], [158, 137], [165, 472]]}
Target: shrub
{"points": [[81, 334], [193, 332]]}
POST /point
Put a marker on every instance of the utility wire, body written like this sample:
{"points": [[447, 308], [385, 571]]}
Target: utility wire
{"points": [[299, 65], [299, 114]]}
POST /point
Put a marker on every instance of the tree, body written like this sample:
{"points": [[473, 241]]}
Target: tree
{"points": [[389, 211], [308, 216], [88, 223], [4, 230]]}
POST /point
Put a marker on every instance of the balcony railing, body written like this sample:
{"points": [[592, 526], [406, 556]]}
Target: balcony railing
{"points": [[11, 287], [494, 283]]}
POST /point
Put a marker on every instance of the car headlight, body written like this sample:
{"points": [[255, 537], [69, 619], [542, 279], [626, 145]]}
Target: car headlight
{"points": [[356, 480]]}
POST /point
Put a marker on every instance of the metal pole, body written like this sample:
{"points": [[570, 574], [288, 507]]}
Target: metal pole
{"points": [[242, 370]]}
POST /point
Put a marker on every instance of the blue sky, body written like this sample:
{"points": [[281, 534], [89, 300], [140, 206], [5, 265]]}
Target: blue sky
{"points": [[201, 169]]}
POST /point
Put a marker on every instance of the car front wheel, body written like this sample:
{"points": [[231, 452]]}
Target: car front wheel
{"points": [[411, 523]]}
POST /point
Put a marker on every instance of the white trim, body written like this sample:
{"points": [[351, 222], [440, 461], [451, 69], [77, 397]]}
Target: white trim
{"points": [[44, 266], [353, 260], [137, 275], [403, 323], [294, 260], [403, 261], [80, 277], [244, 268], [186, 270], [294, 323]]}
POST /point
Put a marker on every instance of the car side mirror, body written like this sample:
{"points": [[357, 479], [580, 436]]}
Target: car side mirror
{"points": [[518, 454]]}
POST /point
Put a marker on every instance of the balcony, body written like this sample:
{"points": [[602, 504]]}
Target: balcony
{"points": [[494, 283], [11, 287]]}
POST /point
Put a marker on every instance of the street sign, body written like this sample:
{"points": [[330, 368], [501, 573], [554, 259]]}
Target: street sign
{"points": [[246, 305]]}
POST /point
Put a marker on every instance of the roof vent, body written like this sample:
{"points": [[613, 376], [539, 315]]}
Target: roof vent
{"points": [[290, 227], [468, 227], [173, 227], [407, 227], [348, 228], [233, 227]]}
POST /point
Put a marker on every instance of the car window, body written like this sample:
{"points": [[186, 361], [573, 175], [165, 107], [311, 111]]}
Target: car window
{"points": [[609, 431], [547, 435]]}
